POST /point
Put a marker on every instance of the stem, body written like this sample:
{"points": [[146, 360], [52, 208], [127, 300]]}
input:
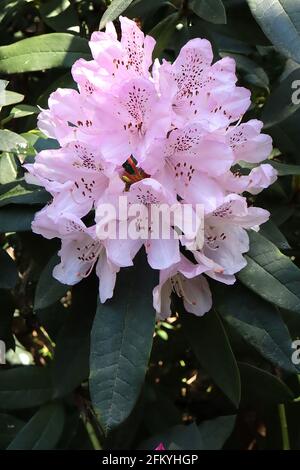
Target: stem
{"points": [[284, 428], [92, 435], [6, 120]]}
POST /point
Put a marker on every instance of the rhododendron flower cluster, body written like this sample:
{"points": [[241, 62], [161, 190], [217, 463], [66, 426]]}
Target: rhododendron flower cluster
{"points": [[158, 133]]}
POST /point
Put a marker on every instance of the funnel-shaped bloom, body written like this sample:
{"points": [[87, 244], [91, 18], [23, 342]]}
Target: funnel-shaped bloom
{"points": [[159, 135]]}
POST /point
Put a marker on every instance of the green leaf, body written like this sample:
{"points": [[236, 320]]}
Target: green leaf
{"points": [[258, 322], [52, 319], [253, 73], [43, 52], [270, 231], [42, 431], [11, 142], [210, 10], [163, 33], [262, 387], [209, 435], [23, 110], [10, 97], [43, 143], [279, 19], [121, 342], [8, 271], [3, 85], [20, 192], [270, 274], [16, 218], [215, 432], [285, 169], [10, 7], [179, 437], [279, 105], [48, 289], [71, 360], [60, 15], [115, 9], [9, 427], [209, 341], [9, 166], [24, 387], [159, 412], [141, 9]]}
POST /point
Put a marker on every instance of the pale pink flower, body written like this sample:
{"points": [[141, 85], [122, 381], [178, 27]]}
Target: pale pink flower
{"points": [[259, 178], [200, 90], [71, 116], [76, 167], [161, 134], [226, 239], [49, 221], [134, 115], [80, 249], [247, 142], [161, 253], [79, 253], [184, 279], [130, 57]]}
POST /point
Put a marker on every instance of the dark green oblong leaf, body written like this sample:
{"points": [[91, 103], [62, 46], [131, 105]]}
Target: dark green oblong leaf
{"points": [[16, 218], [142, 9], [72, 342], [209, 435], [60, 15], [8, 271], [215, 432], [253, 73], [280, 21], [279, 105], [42, 431], [48, 289], [211, 346], [285, 169], [115, 9], [210, 10], [163, 33], [270, 274], [19, 192], [258, 322], [270, 231], [24, 387], [178, 437], [9, 427], [121, 342], [43, 52], [10, 7], [263, 387]]}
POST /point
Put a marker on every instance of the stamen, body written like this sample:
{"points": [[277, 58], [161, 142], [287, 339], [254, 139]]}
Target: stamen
{"points": [[93, 253], [132, 173], [179, 289]]}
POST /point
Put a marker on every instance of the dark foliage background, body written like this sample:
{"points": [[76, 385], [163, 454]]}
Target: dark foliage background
{"points": [[224, 380]]}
